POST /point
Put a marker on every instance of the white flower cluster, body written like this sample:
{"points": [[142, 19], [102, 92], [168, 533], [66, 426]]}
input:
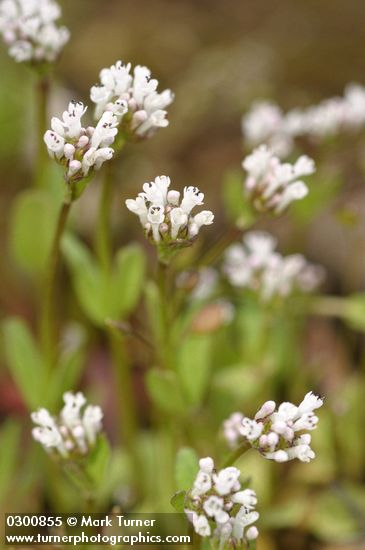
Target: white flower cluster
{"points": [[80, 149], [132, 97], [74, 432], [272, 185], [166, 218], [28, 28], [277, 434], [219, 508], [256, 265], [266, 122]]}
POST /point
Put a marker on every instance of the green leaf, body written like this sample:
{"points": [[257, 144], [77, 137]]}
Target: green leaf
{"points": [[127, 280], [237, 207], [186, 468], [10, 444], [164, 391], [101, 295], [87, 279], [155, 313], [354, 311], [25, 362], [178, 501], [322, 190], [333, 518], [193, 367], [69, 366], [32, 225], [98, 461]]}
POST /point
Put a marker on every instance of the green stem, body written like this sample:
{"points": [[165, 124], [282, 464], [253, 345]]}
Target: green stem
{"points": [[48, 331], [236, 454], [42, 93], [128, 423], [103, 244], [163, 285], [219, 247]]}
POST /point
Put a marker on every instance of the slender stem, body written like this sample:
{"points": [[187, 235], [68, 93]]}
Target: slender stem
{"points": [[236, 454], [163, 284], [42, 93], [216, 251], [128, 423], [47, 319], [103, 244], [128, 330]]}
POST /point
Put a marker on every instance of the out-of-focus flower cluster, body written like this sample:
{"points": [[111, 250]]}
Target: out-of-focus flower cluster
{"points": [[74, 433], [277, 434], [29, 29], [272, 185], [77, 148], [218, 506], [267, 123], [256, 265], [133, 98], [165, 217]]}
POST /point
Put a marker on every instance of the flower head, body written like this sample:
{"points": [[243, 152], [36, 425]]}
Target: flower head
{"points": [[266, 122], [29, 29], [272, 185], [218, 506], [257, 266], [167, 221], [74, 432], [133, 97], [77, 148], [277, 433]]}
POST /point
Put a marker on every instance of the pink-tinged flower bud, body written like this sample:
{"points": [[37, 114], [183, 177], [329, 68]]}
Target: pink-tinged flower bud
{"points": [[266, 410]]}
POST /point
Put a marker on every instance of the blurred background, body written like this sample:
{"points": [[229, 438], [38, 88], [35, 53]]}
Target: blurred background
{"points": [[218, 57]]}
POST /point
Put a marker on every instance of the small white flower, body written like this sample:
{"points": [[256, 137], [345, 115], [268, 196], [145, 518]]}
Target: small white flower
{"points": [[266, 410], [139, 207], [206, 464], [246, 498], [250, 429], [310, 403], [192, 197], [202, 484], [201, 526], [205, 217], [178, 219], [225, 480], [252, 533]]}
